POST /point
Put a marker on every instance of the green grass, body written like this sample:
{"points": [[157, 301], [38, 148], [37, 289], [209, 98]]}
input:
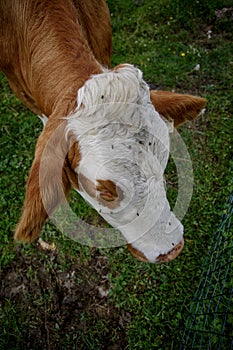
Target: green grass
{"points": [[147, 304]]}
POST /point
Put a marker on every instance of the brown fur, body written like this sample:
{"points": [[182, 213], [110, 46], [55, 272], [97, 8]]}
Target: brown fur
{"points": [[177, 107], [50, 179], [110, 194], [107, 189], [44, 50], [106, 192], [49, 48]]}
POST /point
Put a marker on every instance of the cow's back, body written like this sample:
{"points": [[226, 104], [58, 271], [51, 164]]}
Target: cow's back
{"points": [[36, 35], [93, 15]]}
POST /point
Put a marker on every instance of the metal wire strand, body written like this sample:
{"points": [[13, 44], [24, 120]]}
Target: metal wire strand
{"points": [[209, 324]]}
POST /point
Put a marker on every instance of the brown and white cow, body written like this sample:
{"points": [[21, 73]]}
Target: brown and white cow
{"points": [[105, 135]]}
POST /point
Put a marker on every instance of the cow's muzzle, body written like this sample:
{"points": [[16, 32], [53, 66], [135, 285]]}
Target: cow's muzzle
{"points": [[171, 255]]}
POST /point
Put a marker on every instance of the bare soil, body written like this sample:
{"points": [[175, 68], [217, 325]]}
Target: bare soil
{"points": [[57, 308]]}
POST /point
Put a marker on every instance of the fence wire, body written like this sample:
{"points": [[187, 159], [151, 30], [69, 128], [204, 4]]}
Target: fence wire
{"points": [[209, 324]]}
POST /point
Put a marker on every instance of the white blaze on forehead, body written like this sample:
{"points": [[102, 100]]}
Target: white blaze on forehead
{"points": [[123, 139]]}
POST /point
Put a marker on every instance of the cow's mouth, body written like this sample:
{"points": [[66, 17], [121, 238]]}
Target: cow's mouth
{"points": [[171, 255]]}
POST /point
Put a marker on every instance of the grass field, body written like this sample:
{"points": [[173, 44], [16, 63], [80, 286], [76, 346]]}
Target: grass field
{"points": [[78, 297]]}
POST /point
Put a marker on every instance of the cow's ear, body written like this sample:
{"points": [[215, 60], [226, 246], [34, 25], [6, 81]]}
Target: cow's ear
{"points": [[177, 107], [48, 182]]}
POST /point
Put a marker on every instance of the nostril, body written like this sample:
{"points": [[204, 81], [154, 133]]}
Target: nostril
{"points": [[172, 254]]}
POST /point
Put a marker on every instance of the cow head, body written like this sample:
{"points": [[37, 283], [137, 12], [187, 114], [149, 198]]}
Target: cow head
{"points": [[120, 148]]}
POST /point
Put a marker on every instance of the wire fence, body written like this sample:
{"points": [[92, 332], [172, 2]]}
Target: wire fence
{"points": [[209, 324]]}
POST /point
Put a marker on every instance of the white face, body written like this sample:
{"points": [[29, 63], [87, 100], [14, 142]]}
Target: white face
{"points": [[124, 146]]}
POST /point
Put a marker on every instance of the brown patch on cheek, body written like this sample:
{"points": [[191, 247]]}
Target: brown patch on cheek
{"points": [[107, 189], [109, 194], [106, 192]]}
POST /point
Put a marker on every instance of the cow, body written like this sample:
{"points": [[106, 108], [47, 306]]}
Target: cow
{"points": [[106, 134]]}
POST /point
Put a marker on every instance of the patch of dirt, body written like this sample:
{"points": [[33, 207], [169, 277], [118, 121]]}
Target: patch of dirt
{"points": [[225, 13], [57, 308]]}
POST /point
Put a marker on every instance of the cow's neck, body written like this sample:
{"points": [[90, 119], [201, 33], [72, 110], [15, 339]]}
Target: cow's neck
{"points": [[54, 57], [55, 88]]}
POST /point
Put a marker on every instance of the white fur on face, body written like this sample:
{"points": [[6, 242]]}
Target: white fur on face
{"points": [[123, 139]]}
